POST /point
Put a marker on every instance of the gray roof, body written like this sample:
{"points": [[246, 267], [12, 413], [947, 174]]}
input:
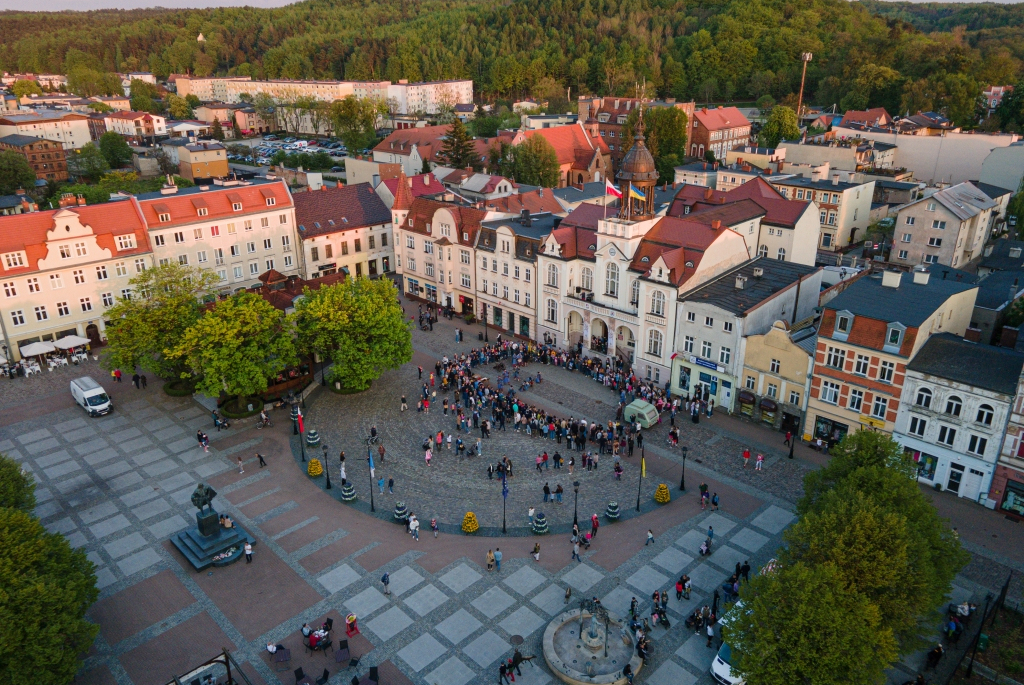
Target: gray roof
{"points": [[807, 343], [994, 289], [991, 190], [895, 185], [963, 200], [703, 167], [19, 140], [983, 366], [540, 225], [196, 190], [573, 194], [723, 293], [9, 201], [804, 182], [910, 304], [1000, 259]]}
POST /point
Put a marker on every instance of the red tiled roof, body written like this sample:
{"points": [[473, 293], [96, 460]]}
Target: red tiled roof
{"points": [[869, 117], [723, 117], [576, 241], [401, 141], [218, 201], [533, 201], [705, 203], [678, 241], [27, 232], [339, 209], [569, 139], [467, 219]]}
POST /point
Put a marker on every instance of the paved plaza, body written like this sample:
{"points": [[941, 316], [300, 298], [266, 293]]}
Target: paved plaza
{"points": [[119, 488]]}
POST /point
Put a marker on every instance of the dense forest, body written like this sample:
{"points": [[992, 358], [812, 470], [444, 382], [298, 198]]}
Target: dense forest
{"points": [[902, 56]]}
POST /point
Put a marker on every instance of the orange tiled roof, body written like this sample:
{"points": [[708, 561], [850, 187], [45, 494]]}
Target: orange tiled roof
{"points": [[569, 139], [218, 202], [721, 118]]}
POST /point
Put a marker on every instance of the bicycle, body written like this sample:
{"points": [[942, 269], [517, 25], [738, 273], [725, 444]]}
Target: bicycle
{"points": [[262, 423], [373, 440]]}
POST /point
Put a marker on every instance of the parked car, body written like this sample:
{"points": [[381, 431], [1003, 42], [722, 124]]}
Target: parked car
{"points": [[290, 139], [337, 169], [270, 136], [721, 669], [91, 396], [644, 413]]}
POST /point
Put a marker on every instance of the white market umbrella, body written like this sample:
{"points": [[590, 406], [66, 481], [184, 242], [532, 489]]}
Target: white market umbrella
{"points": [[69, 341], [37, 348]]}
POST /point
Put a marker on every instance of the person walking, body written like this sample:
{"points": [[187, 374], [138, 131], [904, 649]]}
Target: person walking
{"points": [[380, 484], [405, 405], [117, 375], [391, 486], [746, 457], [497, 559], [711, 633], [262, 461], [536, 551], [344, 480], [529, 513], [650, 537], [714, 502], [789, 438], [206, 442], [414, 528], [240, 468], [711, 534], [594, 525], [558, 493], [745, 570], [386, 582], [199, 437], [502, 673], [135, 381], [490, 560], [143, 379], [547, 492], [248, 552], [759, 463], [576, 550]]}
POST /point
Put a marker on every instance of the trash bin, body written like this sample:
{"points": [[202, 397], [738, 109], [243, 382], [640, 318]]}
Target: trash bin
{"points": [[479, 336], [982, 642]]}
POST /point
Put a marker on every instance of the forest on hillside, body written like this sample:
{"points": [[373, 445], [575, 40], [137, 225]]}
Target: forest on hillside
{"points": [[938, 58]]}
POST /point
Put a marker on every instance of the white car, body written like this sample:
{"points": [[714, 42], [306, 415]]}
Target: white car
{"points": [[721, 669]]}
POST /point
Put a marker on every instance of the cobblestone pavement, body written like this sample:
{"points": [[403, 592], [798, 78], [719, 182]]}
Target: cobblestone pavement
{"points": [[119, 486]]}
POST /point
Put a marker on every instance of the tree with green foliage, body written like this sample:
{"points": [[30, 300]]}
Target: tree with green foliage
{"points": [[194, 101], [113, 182], [665, 136], [265, 107], [533, 162], [236, 347], [355, 121], [47, 589], [17, 487], [358, 325], [709, 156], [781, 125], [86, 82], [23, 87], [165, 303], [178, 107], [457, 148], [801, 624], [216, 130], [15, 173], [100, 107], [88, 162], [115, 149]]}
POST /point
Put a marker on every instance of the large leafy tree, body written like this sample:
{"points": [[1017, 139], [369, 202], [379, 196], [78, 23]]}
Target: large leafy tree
{"points": [[88, 163], [25, 87], [665, 136], [15, 173], [17, 489], [803, 625], [354, 120], [533, 162], [115, 149], [178, 107], [781, 125], [236, 347], [457, 149], [357, 324], [165, 305], [47, 588]]}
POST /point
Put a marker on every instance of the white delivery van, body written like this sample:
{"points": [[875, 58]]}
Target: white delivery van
{"points": [[721, 668], [91, 396]]}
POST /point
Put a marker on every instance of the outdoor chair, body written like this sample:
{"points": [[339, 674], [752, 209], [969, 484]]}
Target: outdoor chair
{"points": [[373, 674], [323, 679], [330, 624], [299, 674], [342, 653]]}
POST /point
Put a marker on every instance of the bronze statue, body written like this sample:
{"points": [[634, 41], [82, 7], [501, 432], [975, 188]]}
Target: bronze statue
{"points": [[203, 497]]}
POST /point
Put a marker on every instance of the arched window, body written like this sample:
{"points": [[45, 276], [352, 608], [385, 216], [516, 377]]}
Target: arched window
{"points": [[985, 415], [658, 303], [552, 311], [654, 343], [579, 178], [953, 405], [634, 293], [553, 275], [924, 398], [782, 254], [587, 279], [762, 251], [611, 281]]}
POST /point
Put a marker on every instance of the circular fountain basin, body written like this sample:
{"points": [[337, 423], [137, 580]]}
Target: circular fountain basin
{"points": [[579, 658]]}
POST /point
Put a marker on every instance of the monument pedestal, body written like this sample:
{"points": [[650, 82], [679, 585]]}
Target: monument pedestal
{"points": [[208, 544]]}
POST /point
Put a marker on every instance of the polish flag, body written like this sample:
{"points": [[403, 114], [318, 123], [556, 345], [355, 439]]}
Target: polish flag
{"points": [[609, 189]]}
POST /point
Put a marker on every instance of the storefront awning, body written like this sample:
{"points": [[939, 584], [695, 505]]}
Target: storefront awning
{"points": [[769, 405], [747, 397]]}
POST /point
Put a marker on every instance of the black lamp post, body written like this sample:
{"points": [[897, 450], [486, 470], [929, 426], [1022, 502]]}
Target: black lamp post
{"points": [[977, 638], [327, 468], [369, 458], [792, 443], [682, 480], [323, 374], [485, 323], [575, 503], [640, 480], [295, 415]]}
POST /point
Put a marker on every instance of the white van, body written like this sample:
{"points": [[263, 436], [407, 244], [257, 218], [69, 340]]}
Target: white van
{"points": [[91, 396], [721, 669]]}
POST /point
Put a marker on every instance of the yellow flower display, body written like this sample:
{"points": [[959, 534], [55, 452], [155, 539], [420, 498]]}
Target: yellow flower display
{"points": [[469, 524], [315, 468], [661, 495]]}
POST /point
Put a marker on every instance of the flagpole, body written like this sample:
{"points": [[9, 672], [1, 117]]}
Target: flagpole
{"points": [[641, 480], [504, 499], [369, 462]]}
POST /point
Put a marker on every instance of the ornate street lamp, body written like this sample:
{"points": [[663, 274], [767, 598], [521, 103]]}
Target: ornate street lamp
{"points": [[575, 503]]}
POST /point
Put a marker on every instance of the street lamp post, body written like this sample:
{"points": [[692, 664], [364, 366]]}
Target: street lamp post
{"points": [[682, 480], [327, 468], [369, 458], [295, 415], [323, 374], [485, 323], [575, 503], [640, 481]]}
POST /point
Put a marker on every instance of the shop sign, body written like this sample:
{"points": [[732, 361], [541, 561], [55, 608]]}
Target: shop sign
{"points": [[707, 364]]}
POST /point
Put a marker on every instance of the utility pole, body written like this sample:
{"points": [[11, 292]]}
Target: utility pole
{"points": [[805, 57]]}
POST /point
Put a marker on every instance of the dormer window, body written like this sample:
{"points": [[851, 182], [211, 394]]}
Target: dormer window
{"points": [[164, 218], [236, 206], [645, 259], [844, 322], [410, 223], [894, 337], [203, 211], [271, 201]]}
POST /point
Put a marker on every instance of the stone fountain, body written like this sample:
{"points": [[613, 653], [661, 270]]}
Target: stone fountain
{"points": [[590, 646]]}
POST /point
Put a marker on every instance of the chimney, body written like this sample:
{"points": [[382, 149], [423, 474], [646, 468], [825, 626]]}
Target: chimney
{"points": [[524, 217], [716, 224], [891, 279], [664, 186], [739, 160], [921, 276], [81, 200], [1013, 292], [973, 335], [758, 272], [707, 193], [426, 179], [1009, 337], [740, 282], [540, 192], [835, 179], [705, 166]]}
